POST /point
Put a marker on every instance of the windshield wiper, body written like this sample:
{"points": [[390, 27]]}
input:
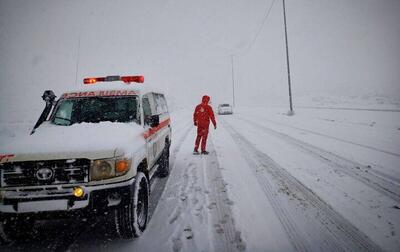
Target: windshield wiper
{"points": [[63, 118]]}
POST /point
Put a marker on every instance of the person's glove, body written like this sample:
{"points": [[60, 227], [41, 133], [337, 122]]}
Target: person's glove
{"points": [[195, 123], [215, 126]]}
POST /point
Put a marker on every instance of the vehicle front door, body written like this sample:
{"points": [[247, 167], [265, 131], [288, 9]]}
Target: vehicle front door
{"points": [[150, 137]]}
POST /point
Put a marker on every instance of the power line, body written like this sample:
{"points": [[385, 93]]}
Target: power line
{"points": [[259, 30], [249, 47]]}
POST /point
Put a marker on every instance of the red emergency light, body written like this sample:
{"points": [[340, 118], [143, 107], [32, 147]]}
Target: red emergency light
{"points": [[129, 79], [93, 80], [125, 79]]}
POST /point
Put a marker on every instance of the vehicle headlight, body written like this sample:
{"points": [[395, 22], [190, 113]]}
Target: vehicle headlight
{"points": [[102, 169], [109, 168]]}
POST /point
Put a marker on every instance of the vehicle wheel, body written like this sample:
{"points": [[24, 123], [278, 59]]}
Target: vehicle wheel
{"points": [[163, 169], [16, 229], [131, 219]]}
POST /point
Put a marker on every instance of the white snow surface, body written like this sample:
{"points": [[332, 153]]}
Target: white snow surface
{"points": [[83, 137], [321, 180], [338, 187]]}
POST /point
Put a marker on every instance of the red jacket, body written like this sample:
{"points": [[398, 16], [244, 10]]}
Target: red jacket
{"points": [[203, 114]]}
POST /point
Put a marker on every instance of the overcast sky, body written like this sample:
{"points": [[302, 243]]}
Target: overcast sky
{"points": [[184, 47]]}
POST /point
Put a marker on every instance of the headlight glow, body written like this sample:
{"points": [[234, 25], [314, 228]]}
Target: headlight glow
{"points": [[102, 169], [79, 192], [109, 168]]}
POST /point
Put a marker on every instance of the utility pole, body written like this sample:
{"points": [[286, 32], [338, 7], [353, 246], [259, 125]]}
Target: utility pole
{"points": [[233, 82], [290, 112]]}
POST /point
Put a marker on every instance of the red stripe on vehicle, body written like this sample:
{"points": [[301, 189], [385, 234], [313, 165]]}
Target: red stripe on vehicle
{"points": [[154, 130], [6, 157]]}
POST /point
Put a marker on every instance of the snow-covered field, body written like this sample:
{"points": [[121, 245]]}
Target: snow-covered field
{"points": [[372, 100], [321, 180]]}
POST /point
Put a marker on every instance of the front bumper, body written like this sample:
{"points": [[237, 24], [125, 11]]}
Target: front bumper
{"points": [[60, 200], [225, 112]]}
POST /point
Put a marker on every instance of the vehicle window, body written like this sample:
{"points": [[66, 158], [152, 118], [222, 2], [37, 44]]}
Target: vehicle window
{"points": [[160, 108], [146, 109], [164, 103], [63, 114], [96, 109], [157, 104]]}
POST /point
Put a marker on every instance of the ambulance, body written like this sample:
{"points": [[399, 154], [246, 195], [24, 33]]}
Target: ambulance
{"points": [[93, 151]]}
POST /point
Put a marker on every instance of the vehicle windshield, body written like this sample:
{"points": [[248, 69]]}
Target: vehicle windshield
{"points": [[96, 109]]}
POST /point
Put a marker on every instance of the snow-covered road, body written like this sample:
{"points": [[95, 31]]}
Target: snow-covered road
{"points": [[322, 180]]}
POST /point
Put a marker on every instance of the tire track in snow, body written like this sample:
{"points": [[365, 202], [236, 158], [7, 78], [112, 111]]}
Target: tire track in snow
{"points": [[178, 144], [356, 109], [334, 138], [183, 237], [338, 233], [188, 217], [353, 169], [185, 182], [294, 232], [224, 223], [203, 203], [178, 198]]}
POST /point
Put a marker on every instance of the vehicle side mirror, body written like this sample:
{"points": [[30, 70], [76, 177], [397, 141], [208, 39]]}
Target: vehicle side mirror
{"points": [[49, 97], [154, 121]]}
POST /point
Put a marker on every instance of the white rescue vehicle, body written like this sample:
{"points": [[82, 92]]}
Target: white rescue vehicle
{"points": [[92, 152], [225, 109]]}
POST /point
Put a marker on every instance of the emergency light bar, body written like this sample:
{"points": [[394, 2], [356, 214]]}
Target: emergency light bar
{"points": [[125, 79]]}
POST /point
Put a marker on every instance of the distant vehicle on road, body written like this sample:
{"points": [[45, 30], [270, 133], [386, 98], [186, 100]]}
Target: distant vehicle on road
{"points": [[91, 152], [225, 109]]}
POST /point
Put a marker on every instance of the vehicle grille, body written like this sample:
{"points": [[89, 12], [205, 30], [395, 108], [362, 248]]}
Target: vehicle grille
{"points": [[61, 172]]}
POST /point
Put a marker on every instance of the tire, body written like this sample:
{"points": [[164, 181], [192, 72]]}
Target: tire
{"points": [[163, 169], [131, 219]]}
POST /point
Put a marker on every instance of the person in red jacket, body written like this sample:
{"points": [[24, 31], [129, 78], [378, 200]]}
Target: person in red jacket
{"points": [[203, 113]]}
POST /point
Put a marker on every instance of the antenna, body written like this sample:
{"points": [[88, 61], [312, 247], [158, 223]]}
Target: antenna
{"points": [[77, 59]]}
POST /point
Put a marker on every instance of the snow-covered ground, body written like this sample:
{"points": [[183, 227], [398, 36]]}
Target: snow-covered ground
{"points": [[372, 100], [321, 180]]}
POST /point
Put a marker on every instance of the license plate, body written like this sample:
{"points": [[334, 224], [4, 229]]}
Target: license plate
{"points": [[42, 206]]}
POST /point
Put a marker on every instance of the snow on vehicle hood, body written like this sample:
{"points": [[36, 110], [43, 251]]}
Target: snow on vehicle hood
{"points": [[84, 140]]}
